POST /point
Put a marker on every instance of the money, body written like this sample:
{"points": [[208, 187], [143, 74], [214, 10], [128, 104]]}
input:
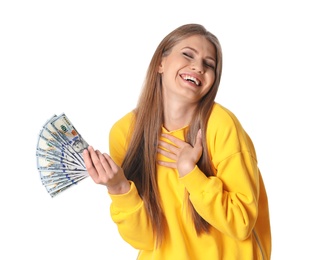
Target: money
{"points": [[59, 155]]}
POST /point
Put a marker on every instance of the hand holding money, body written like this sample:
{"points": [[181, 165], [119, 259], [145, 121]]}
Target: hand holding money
{"points": [[103, 170]]}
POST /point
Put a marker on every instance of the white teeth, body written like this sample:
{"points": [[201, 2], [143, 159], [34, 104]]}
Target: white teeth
{"points": [[196, 81]]}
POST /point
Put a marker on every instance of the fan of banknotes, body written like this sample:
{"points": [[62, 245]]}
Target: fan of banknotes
{"points": [[59, 155]]}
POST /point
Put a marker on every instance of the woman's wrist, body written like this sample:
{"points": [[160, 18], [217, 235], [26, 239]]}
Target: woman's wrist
{"points": [[120, 188]]}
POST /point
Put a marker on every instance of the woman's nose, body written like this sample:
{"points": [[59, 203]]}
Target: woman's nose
{"points": [[197, 66]]}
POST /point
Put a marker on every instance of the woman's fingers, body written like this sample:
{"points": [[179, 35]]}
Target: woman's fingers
{"points": [[198, 141], [112, 165], [87, 156], [103, 170], [168, 154], [87, 159], [104, 164], [184, 156], [97, 166], [168, 164], [177, 143]]}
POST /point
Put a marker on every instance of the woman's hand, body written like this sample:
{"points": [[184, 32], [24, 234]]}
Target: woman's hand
{"points": [[183, 155], [103, 170]]}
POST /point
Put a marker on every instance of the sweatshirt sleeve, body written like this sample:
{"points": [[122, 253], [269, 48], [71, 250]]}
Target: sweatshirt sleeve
{"points": [[127, 210], [128, 213], [228, 200]]}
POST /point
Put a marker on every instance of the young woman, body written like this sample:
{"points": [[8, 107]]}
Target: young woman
{"points": [[182, 172]]}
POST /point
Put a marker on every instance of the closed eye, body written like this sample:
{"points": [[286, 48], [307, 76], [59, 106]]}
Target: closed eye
{"points": [[206, 64], [209, 65], [187, 55]]}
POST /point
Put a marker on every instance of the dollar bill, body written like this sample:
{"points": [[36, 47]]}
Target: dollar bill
{"points": [[49, 162], [59, 155], [56, 188], [55, 139], [47, 143], [66, 130], [49, 178]]}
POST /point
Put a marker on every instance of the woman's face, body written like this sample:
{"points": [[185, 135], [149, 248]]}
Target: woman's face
{"points": [[188, 72]]}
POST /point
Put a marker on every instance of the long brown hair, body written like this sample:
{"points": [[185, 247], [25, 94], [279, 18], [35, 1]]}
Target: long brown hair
{"points": [[140, 161]]}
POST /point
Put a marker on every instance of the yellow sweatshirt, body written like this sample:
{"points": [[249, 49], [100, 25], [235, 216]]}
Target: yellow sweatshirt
{"points": [[234, 201]]}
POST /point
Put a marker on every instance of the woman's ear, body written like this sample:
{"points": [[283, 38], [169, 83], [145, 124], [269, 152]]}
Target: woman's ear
{"points": [[160, 68]]}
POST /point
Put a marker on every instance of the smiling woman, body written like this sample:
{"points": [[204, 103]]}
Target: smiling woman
{"points": [[182, 172], [187, 73]]}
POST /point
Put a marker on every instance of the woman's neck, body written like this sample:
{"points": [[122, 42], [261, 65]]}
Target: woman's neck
{"points": [[177, 116]]}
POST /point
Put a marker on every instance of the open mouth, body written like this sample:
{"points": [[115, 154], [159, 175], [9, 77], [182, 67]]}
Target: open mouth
{"points": [[191, 79]]}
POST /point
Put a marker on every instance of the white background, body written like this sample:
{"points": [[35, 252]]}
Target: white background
{"points": [[89, 58]]}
